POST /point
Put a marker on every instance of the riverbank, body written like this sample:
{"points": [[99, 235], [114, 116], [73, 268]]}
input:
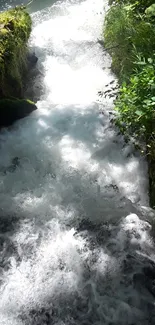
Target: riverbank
{"points": [[15, 29], [129, 33]]}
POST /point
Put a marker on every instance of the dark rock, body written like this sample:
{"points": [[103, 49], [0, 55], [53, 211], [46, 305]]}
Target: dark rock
{"points": [[8, 223], [145, 281], [32, 60], [14, 109], [139, 279], [100, 41], [107, 91], [149, 272], [111, 82], [151, 168]]}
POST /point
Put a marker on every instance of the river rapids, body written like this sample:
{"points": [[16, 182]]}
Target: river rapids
{"points": [[76, 235]]}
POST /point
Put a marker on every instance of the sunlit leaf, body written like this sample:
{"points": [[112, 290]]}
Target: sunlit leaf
{"points": [[139, 113]]}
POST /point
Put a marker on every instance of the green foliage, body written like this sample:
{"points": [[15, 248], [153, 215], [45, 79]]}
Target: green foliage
{"points": [[15, 28], [137, 5], [136, 102], [117, 35], [130, 34], [127, 34], [150, 11]]}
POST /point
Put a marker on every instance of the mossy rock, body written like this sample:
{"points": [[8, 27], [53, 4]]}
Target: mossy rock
{"points": [[15, 29], [14, 109]]}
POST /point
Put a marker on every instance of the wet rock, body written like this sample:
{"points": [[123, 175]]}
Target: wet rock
{"points": [[149, 272], [146, 281], [151, 166], [8, 223], [14, 109], [100, 93], [127, 266], [32, 60], [150, 279], [111, 82], [151, 287], [139, 280], [100, 41]]}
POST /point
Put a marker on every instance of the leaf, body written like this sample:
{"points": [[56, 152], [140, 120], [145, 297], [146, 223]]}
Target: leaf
{"points": [[150, 60], [150, 11], [147, 101], [139, 113], [141, 63]]}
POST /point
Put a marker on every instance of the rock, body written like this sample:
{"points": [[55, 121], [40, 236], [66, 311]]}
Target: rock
{"points": [[145, 280], [151, 168], [149, 271], [14, 109], [32, 60], [100, 41]]}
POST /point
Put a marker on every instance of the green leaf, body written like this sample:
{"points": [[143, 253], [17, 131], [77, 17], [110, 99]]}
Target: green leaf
{"points": [[139, 113], [141, 63], [150, 60], [150, 11]]}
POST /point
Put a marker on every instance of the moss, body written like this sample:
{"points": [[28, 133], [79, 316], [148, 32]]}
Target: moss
{"points": [[13, 109], [15, 29]]}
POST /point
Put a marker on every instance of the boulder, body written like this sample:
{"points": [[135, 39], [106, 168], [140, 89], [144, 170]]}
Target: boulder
{"points": [[14, 109], [32, 60]]}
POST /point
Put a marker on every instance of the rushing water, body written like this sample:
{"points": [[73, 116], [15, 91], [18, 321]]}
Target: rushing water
{"points": [[75, 243]]}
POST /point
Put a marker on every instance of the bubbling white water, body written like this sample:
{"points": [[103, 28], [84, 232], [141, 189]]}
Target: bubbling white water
{"points": [[74, 240]]}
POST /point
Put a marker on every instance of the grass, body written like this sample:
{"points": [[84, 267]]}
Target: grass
{"points": [[127, 34]]}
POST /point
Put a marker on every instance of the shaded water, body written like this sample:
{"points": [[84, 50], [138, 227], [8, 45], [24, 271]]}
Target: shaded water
{"points": [[75, 243]]}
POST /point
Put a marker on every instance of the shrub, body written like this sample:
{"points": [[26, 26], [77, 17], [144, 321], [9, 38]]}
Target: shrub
{"points": [[130, 33], [136, 102], [126, 35], [118, 32], [137, 5]]}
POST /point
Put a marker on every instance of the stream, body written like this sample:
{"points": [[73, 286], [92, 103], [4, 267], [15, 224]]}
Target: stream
{"points": [[76, 241]]}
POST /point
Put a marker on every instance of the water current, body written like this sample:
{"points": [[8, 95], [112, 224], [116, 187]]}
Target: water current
{"points": [[76, 241]]}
